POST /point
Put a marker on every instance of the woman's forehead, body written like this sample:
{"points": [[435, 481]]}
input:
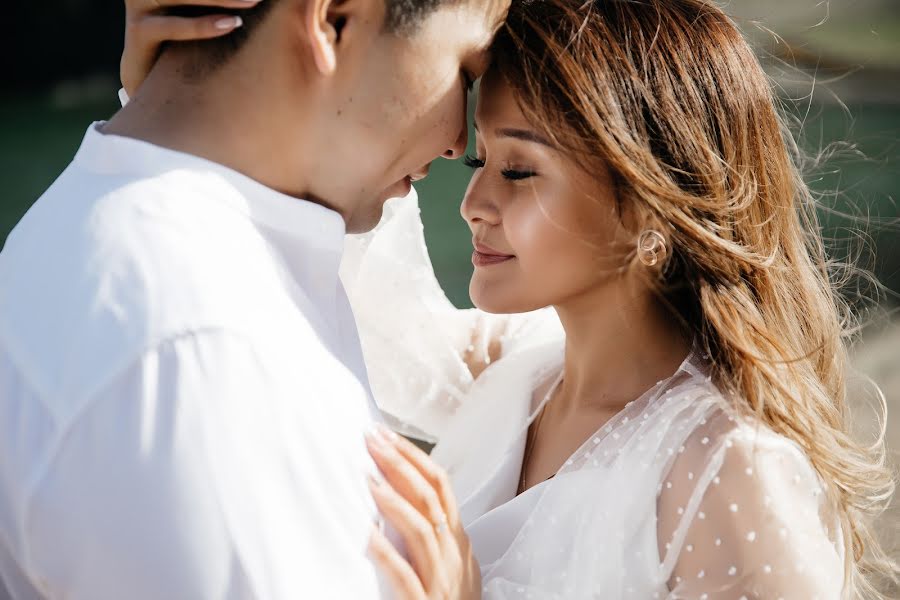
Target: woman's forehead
{"points": [[497, 101]]}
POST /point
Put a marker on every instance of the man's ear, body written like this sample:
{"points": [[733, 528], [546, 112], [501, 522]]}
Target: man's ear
{"points": [[325, 22]]}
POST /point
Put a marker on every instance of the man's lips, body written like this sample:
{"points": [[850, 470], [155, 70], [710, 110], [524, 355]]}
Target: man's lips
{"points": [[403, 187], [485, 255], [397, 190]]}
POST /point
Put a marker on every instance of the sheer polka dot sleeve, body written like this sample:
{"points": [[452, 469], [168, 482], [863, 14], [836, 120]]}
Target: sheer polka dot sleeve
{"points": [[742, 515]]}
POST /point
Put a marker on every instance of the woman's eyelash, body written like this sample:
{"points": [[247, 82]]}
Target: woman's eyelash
{"points": [[473, 162], [514, 175]]}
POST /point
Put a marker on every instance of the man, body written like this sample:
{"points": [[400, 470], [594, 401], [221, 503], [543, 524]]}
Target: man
{"points": [[182, 393]]}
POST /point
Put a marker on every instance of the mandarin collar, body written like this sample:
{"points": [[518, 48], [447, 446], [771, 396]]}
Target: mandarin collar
{"points": [[319, 226]]}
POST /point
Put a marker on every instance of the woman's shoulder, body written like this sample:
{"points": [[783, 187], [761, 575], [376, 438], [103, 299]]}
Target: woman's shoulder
{"points": [[718, 433], [715, 418], [718, 447], [726, 442], [723, 425], [748, 501]]}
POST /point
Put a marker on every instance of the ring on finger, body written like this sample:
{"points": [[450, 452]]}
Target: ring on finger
{"points": [[441, 525]]}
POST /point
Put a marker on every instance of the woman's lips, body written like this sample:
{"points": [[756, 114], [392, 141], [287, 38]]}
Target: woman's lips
{"points": [[485, 256]]}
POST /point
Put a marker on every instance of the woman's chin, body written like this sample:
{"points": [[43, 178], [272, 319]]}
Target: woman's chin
{"points": [[492, 310], [484, 300], [493, 301]]}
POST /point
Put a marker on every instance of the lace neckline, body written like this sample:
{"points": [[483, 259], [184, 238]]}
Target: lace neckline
{"points": [[691, 365]]}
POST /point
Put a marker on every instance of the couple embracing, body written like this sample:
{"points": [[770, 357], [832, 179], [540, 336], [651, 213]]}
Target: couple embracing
{"points": [[649, 401]]}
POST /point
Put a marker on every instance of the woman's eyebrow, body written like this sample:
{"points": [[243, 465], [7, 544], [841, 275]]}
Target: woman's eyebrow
{"points": [[526, 135]]}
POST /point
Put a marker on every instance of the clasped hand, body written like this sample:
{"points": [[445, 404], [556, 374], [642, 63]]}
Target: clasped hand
{"points": [[415, 496]]}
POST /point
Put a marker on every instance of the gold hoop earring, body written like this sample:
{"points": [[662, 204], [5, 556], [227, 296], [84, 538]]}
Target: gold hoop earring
{"points": [[651, 248]]}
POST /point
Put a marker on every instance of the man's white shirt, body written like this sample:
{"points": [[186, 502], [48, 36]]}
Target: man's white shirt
{"points": [[183, 396]]}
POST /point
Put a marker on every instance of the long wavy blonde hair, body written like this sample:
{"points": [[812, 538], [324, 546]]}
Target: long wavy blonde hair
{"points": [[670, 97]]}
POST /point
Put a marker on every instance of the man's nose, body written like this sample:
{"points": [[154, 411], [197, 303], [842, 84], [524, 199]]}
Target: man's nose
{"points": [[459, 146]]}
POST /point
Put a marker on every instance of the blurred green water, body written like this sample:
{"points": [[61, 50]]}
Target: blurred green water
{"points": [[37, 141]]}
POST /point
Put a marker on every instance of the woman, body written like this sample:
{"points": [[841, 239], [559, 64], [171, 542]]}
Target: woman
{"points": [[687, 437]]}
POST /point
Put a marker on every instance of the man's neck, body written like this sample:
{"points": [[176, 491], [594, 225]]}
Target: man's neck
{"points": [[224, 118]]}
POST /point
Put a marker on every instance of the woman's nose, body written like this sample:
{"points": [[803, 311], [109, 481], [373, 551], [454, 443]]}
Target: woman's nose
{"points": [[477, 207]]}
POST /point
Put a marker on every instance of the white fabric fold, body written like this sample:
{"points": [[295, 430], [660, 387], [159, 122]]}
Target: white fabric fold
{"points": [[413, 338]]}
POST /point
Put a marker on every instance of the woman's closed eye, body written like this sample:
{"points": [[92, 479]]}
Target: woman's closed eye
{"points": [[474, 162], [517, 174]]}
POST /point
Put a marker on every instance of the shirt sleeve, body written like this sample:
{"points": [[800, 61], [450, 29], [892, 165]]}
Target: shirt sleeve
{"points": [[205, 470], [743, 515]]}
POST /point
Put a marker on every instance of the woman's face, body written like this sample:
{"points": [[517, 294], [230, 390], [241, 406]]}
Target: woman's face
{"points": [[545, 231]]}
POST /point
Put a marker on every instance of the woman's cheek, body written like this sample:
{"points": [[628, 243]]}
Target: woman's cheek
{"points": [[537, 240]]}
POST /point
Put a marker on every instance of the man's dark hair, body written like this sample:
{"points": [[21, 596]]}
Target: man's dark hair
{"points": [[402, 17]]}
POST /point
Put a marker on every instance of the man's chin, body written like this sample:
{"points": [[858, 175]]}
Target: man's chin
{"points": [[401, 189], [365, 221]]}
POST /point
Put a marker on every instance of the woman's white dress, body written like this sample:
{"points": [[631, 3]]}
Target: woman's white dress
{"points": [[675, 497]]}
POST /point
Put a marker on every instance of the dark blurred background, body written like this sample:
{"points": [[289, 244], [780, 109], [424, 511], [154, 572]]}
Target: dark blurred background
{"points": [[835, 64]]}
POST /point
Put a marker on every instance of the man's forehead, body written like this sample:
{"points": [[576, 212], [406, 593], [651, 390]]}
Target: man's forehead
{"points": [[490, 13], [496, 11], [466, 25]]}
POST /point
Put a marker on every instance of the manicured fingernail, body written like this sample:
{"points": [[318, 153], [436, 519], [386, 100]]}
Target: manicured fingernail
{"points": [[229, 23], [386, 432], [380, 436], [376, 444]]}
